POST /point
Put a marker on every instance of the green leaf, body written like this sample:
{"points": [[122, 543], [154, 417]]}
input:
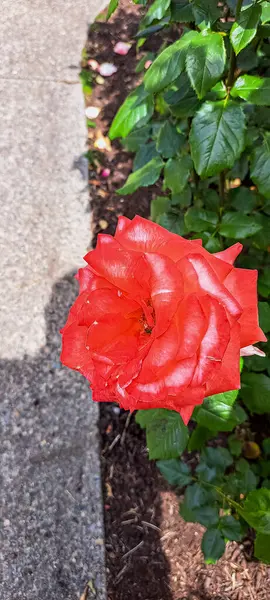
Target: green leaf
{"points": [[256, 510], [168, 65], [247, 60], [218, 412], [241, 482], [144, 33], [260, 167], [235, 445], [175, 471], [181, 11], [208, 474], [205, 61], [183, 198], [262, 547], [245, 27], [137, 108], [264, 316], [218, 92], [174, 222], [111, 8], [265, 16], [200, 435], [255, 90], [157, 10], [211, 200], [159, 205], [181, 98], [264, 283], [256, 392], [205, 11], [169, 141], [135, 139], [214, 143], [212, 244], [143, 60], [166, 434], [176, 173], [143, 156], [143, 177], [238, 226], [243, 199], [197, 219], [195, 497], [213, 545], [220, 458], [266, 484], [206, 515], [231, 528], [266, 446]]}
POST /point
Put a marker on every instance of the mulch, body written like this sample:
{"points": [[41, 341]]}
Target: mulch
{"points": [[151, 553]]}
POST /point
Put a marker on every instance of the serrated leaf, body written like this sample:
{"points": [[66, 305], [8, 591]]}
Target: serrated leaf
{"points": [[142, 34], [265, 16], [176, 173], [217, 137], [260, 167], [181, 98], [245, 27], [205, 11], [156, 11], [243, 199], [205, 61], [238, 226], [182, 199], [255, 90], [199, 436], [168, 65], [256, 392], [213, 545], [197, 219], [159, 205], [181, 11], [169, 141], [235, 445], [220, 458], [166, 434], [135, 139], [264, 316], [256, 510], [175, 471], [262, 547], [174, 222], [231, 528], [137, 108], [218, 412], [111, 8], [143, 177], [206, 515], [143, 156]]}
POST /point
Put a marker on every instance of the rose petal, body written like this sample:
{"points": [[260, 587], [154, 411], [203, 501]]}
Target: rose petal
{"points": [[230, 254], [107, 69], [228, 377], [166, 289], [251, 350], [122, 48]]}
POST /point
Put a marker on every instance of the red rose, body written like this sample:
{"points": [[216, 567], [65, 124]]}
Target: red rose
{"points": [[159, 321]]}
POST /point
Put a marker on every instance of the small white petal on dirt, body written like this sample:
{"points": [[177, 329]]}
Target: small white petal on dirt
{"points": [[93, 64], [122, 48], [92, 112], [107, 69], [250, 351]]}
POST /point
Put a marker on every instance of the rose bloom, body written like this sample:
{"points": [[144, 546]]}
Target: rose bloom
{"points": [[159, 321]]}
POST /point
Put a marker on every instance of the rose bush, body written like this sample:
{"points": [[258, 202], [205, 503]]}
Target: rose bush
{"points": [[159, 321]]}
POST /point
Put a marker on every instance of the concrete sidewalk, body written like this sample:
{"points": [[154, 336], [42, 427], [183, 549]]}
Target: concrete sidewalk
{"points": [[52, 507]]}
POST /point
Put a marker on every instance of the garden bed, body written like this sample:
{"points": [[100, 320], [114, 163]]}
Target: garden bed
{"points": [[151, 553]]}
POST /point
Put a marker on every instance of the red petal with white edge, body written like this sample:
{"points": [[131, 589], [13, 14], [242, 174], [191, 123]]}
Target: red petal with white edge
{"points": [[166, 289], [190, 324], [190, 278], [74, 351], [214, 342], [230, 254], [209, 282], [145, 236], [183, 403], [171, 384], [228, 377], [111, 261], [162, 352], [251, 350], [242, 283]]}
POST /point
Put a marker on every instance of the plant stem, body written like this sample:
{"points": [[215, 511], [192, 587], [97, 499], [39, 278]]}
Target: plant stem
{"points": [[222, 187], [232, 66]]}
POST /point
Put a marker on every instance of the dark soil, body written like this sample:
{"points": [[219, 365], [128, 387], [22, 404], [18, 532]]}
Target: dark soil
{"points": [[151, 553]]}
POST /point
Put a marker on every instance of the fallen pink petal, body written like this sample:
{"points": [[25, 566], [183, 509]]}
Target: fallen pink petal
{"points": [[122, 48], [105, 172], [148, 64], [93, 64], [107, 69]]}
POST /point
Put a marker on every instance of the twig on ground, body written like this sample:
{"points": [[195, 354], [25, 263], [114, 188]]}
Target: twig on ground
{"points": [[133, 550], [116, 439]]}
